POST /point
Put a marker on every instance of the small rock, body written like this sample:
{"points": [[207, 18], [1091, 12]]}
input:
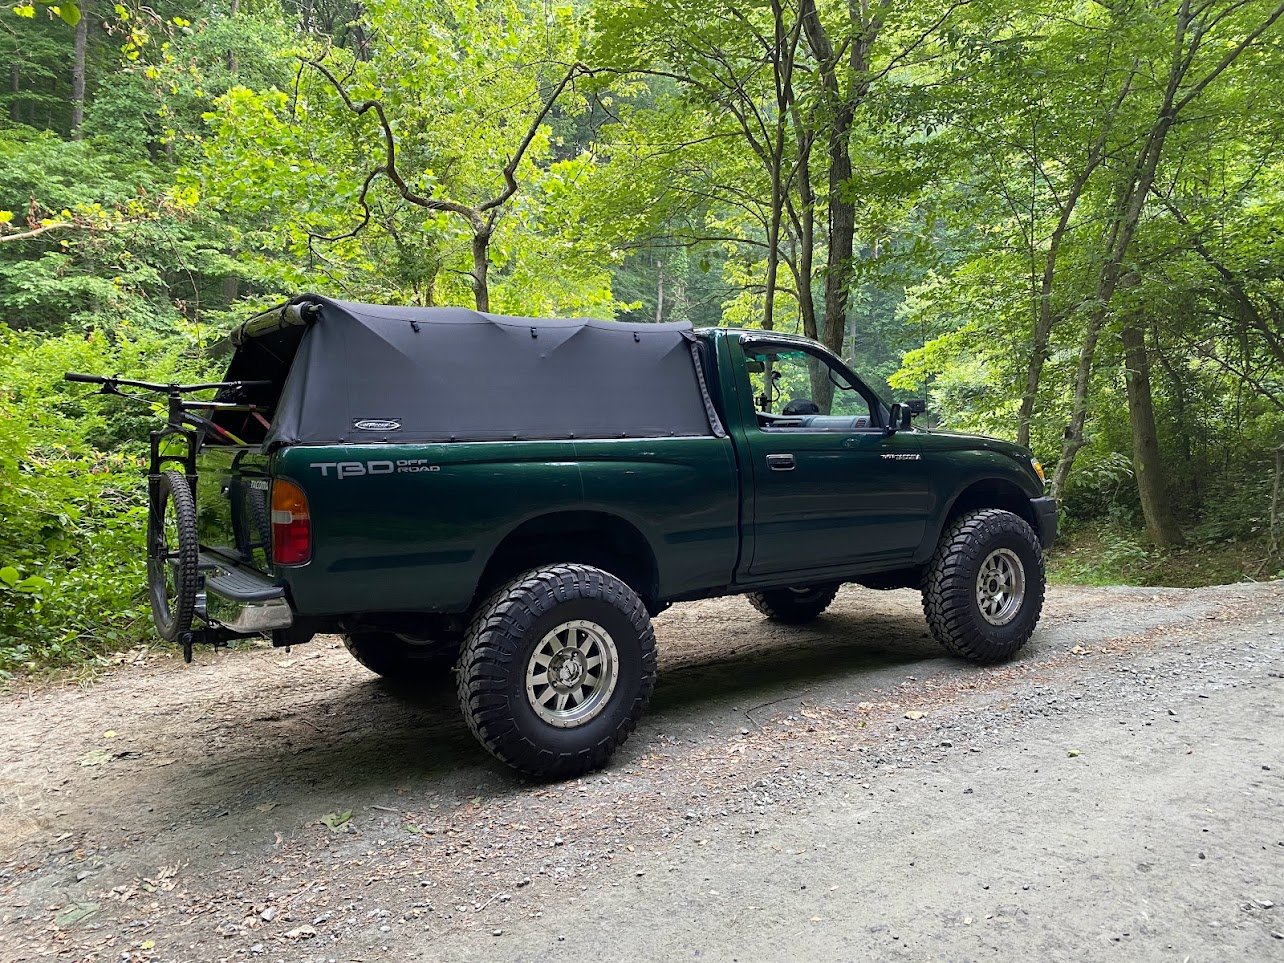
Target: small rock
{"points": [[744, 732], [301, 933], [1264, 903], [496, 932], [268, 915], [524, 881]]}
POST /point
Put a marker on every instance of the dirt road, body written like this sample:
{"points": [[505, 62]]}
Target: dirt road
{"points": [[836, 792]]}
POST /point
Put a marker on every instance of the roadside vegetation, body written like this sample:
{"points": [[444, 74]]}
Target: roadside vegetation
{"points": [[1062, 224]]}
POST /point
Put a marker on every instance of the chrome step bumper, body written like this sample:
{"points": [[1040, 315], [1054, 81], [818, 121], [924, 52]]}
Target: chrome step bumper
{"points": [[242, 600]]}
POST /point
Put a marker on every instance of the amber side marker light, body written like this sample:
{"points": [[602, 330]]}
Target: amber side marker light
{"points": [[291, 524]]}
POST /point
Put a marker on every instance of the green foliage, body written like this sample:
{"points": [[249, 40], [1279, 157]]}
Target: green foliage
{"points": [[72, 495]]}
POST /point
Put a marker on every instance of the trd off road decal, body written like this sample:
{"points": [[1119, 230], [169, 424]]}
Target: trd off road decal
{"points": [[359, 469], [901, 456]]}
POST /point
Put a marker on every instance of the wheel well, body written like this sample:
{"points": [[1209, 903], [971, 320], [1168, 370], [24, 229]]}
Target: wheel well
{"points": [[590, 538], [994, 493]]}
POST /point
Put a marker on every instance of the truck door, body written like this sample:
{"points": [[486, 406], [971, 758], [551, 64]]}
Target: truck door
{"points": [[832, 491]]}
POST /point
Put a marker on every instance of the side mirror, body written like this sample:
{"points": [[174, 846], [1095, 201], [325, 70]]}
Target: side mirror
{"points": [[916, 406], [898, 417]]}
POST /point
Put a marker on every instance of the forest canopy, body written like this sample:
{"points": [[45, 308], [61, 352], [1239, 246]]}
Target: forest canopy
{"points": [[1061, 223]]}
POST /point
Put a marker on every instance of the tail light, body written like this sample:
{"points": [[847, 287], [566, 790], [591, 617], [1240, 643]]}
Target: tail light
{"points": [[291, 524]]}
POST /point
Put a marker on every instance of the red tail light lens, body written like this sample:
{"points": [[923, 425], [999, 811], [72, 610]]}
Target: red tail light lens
{"points": [[291, 524]]}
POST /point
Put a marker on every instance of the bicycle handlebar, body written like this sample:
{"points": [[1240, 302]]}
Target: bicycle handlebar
{"points": [[110, 384]]}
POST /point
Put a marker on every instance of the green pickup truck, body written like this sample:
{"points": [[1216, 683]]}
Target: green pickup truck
{"points": [[516, 498]]}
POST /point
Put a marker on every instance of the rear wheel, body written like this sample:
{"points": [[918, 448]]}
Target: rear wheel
{"points": [[172, 556], [403, 658], [984, 588], [557, 667], [794, 606]]}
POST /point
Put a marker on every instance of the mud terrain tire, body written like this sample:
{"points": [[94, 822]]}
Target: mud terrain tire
{"points": [[403, 660], [984, 587], [794, 606], [557, 666]]}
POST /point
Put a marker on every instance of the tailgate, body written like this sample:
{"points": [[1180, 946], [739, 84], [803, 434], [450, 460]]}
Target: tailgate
{"points": [[233, 511]]}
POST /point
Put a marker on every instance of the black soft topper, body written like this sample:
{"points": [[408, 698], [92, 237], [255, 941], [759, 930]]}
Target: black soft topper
{"points": [[347, 372]]}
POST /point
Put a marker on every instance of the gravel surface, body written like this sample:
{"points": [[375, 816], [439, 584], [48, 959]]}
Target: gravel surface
{"points": [[841, 791]]}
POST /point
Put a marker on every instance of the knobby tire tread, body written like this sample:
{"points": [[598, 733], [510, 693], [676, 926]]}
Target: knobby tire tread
{"points": [[486, 662], [783, 605], [187, 577], [948, 592], [393, 659]]}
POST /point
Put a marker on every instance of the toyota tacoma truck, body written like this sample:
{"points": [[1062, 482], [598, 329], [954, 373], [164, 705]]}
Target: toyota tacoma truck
{"points": [[513, 499]]}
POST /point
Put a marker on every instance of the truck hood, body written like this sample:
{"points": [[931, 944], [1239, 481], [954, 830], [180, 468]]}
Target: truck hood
{"points": [[958, 441]]}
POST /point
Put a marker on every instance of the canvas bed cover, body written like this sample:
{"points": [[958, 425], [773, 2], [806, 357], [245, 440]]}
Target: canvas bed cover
{"points": [[343, 372]]}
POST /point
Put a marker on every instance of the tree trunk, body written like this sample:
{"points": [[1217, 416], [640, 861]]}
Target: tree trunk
{"points": [[481, 269], [1156, 506], [782, 71], [231, 53], [842, 233], [80, 45]]}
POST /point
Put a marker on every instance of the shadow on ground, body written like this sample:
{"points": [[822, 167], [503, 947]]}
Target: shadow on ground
{"points": [[368, 738]]}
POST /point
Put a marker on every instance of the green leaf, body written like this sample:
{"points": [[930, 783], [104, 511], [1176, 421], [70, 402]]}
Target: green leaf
{"points": [[9, 576], [336, 820], [70, 13], [27, 10], [6, 217]]}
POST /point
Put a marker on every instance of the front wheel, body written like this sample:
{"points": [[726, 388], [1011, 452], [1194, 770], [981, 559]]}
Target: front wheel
{"points": [[794, 606], [173, 553], [984, 589], [556, 669]]}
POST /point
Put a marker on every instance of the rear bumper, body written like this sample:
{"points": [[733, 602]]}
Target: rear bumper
{"points": [[242, 600], [1045, 513]]}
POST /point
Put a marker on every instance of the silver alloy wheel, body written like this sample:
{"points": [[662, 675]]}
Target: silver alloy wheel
{"points": [[1000, 586], [572, 673]]}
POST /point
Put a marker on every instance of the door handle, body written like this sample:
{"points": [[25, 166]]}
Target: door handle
{"points": [[781, 462]]}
